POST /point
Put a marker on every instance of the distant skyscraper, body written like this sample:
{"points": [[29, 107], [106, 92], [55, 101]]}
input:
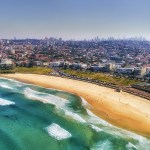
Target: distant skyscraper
{"points": [[1, 43]]}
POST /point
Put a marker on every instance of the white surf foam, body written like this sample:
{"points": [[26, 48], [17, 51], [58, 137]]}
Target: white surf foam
{"points": [[55, 131], [103, 145], [10, 84], [45, 98], [130, 145], [96, 120], [92, 119], [97, 129], [141, 142], [4, 102], [75, 116], [54, 100], [5, 85], [85, 103], [14, 83]]}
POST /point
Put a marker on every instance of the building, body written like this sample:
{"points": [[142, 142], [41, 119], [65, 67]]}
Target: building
{"points": [[139, 71], [6, 64], [127, 71], [54, 64], [46, 64], [38, 63], [110, 67]]}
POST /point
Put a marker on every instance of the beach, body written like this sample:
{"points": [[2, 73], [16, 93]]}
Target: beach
{"points": [[119, 108]]}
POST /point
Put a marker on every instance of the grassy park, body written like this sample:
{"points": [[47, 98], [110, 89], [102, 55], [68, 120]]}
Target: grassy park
{"points": [[102, 77]]}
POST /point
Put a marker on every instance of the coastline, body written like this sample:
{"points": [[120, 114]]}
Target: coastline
{"points": [[121, 109]]}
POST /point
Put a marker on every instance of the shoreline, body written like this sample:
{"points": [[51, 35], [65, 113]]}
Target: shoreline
{"points": [[120, 109]]}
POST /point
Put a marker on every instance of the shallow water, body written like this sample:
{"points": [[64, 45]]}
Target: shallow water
{"points": [[61, 122]]}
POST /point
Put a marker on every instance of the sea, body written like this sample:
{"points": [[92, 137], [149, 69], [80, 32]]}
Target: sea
{"points": [[37, 118]]}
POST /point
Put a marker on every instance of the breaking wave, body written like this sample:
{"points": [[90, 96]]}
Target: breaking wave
{"points": [[54, 130], [45, 98], [5, 85], [82, 115], [4, 102]]}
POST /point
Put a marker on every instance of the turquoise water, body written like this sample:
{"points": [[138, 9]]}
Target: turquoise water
{"points": [[61, 122]]}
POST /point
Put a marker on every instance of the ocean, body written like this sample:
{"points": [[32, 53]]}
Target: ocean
{"points": [[36, 118]]}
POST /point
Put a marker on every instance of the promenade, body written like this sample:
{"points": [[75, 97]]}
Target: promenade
{"points": [[128, 89]]}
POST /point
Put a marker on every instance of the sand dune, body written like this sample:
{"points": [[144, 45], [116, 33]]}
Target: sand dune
{"points": [[121, 109]]}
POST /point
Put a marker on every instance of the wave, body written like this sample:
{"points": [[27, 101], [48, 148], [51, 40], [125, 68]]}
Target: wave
{"points": [[12, 80], [97, 129], [75, 116], [130, 146], [103, 145], [45, 98], [85, 103], [88, 118], [141, 142], [11, 84], [96, 120], [55, 131], [54, 100], [4, 102], [6, 86]]}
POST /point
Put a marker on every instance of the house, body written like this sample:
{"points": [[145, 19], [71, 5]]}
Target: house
{"points": [[139, 71], [46, 64], [6, 64], [38, 63], [54, 64], [110, 67], [127, 71], [95, 68]]}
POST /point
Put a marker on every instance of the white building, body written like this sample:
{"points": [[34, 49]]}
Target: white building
{"points": [[6, 61], [124, 70], [140, 71], [54, 64]]}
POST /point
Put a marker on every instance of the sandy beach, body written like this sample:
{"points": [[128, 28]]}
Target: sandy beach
{"points": [[121, 109]]}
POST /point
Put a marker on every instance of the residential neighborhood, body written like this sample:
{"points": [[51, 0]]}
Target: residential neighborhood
{"points": [[130, 57]]}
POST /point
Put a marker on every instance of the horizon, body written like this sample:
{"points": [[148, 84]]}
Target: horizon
{"points": [[71, 39], [77, 20]]}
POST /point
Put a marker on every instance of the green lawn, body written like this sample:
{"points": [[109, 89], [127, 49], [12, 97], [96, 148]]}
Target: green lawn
{"points": [[7, 71], [102, 77], [92, 75], [34, 70]]}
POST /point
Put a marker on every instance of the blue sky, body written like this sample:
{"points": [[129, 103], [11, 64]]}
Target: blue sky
{"points": [[74, 19]]}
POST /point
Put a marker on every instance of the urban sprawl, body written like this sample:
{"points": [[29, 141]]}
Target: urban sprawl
{"points": [[121, 57]]}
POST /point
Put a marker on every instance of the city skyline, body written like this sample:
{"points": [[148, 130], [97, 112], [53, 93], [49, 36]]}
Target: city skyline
{"points": [[74, 19]]}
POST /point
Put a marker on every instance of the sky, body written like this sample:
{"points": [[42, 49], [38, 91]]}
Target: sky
{"points": [[74, 19]]}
